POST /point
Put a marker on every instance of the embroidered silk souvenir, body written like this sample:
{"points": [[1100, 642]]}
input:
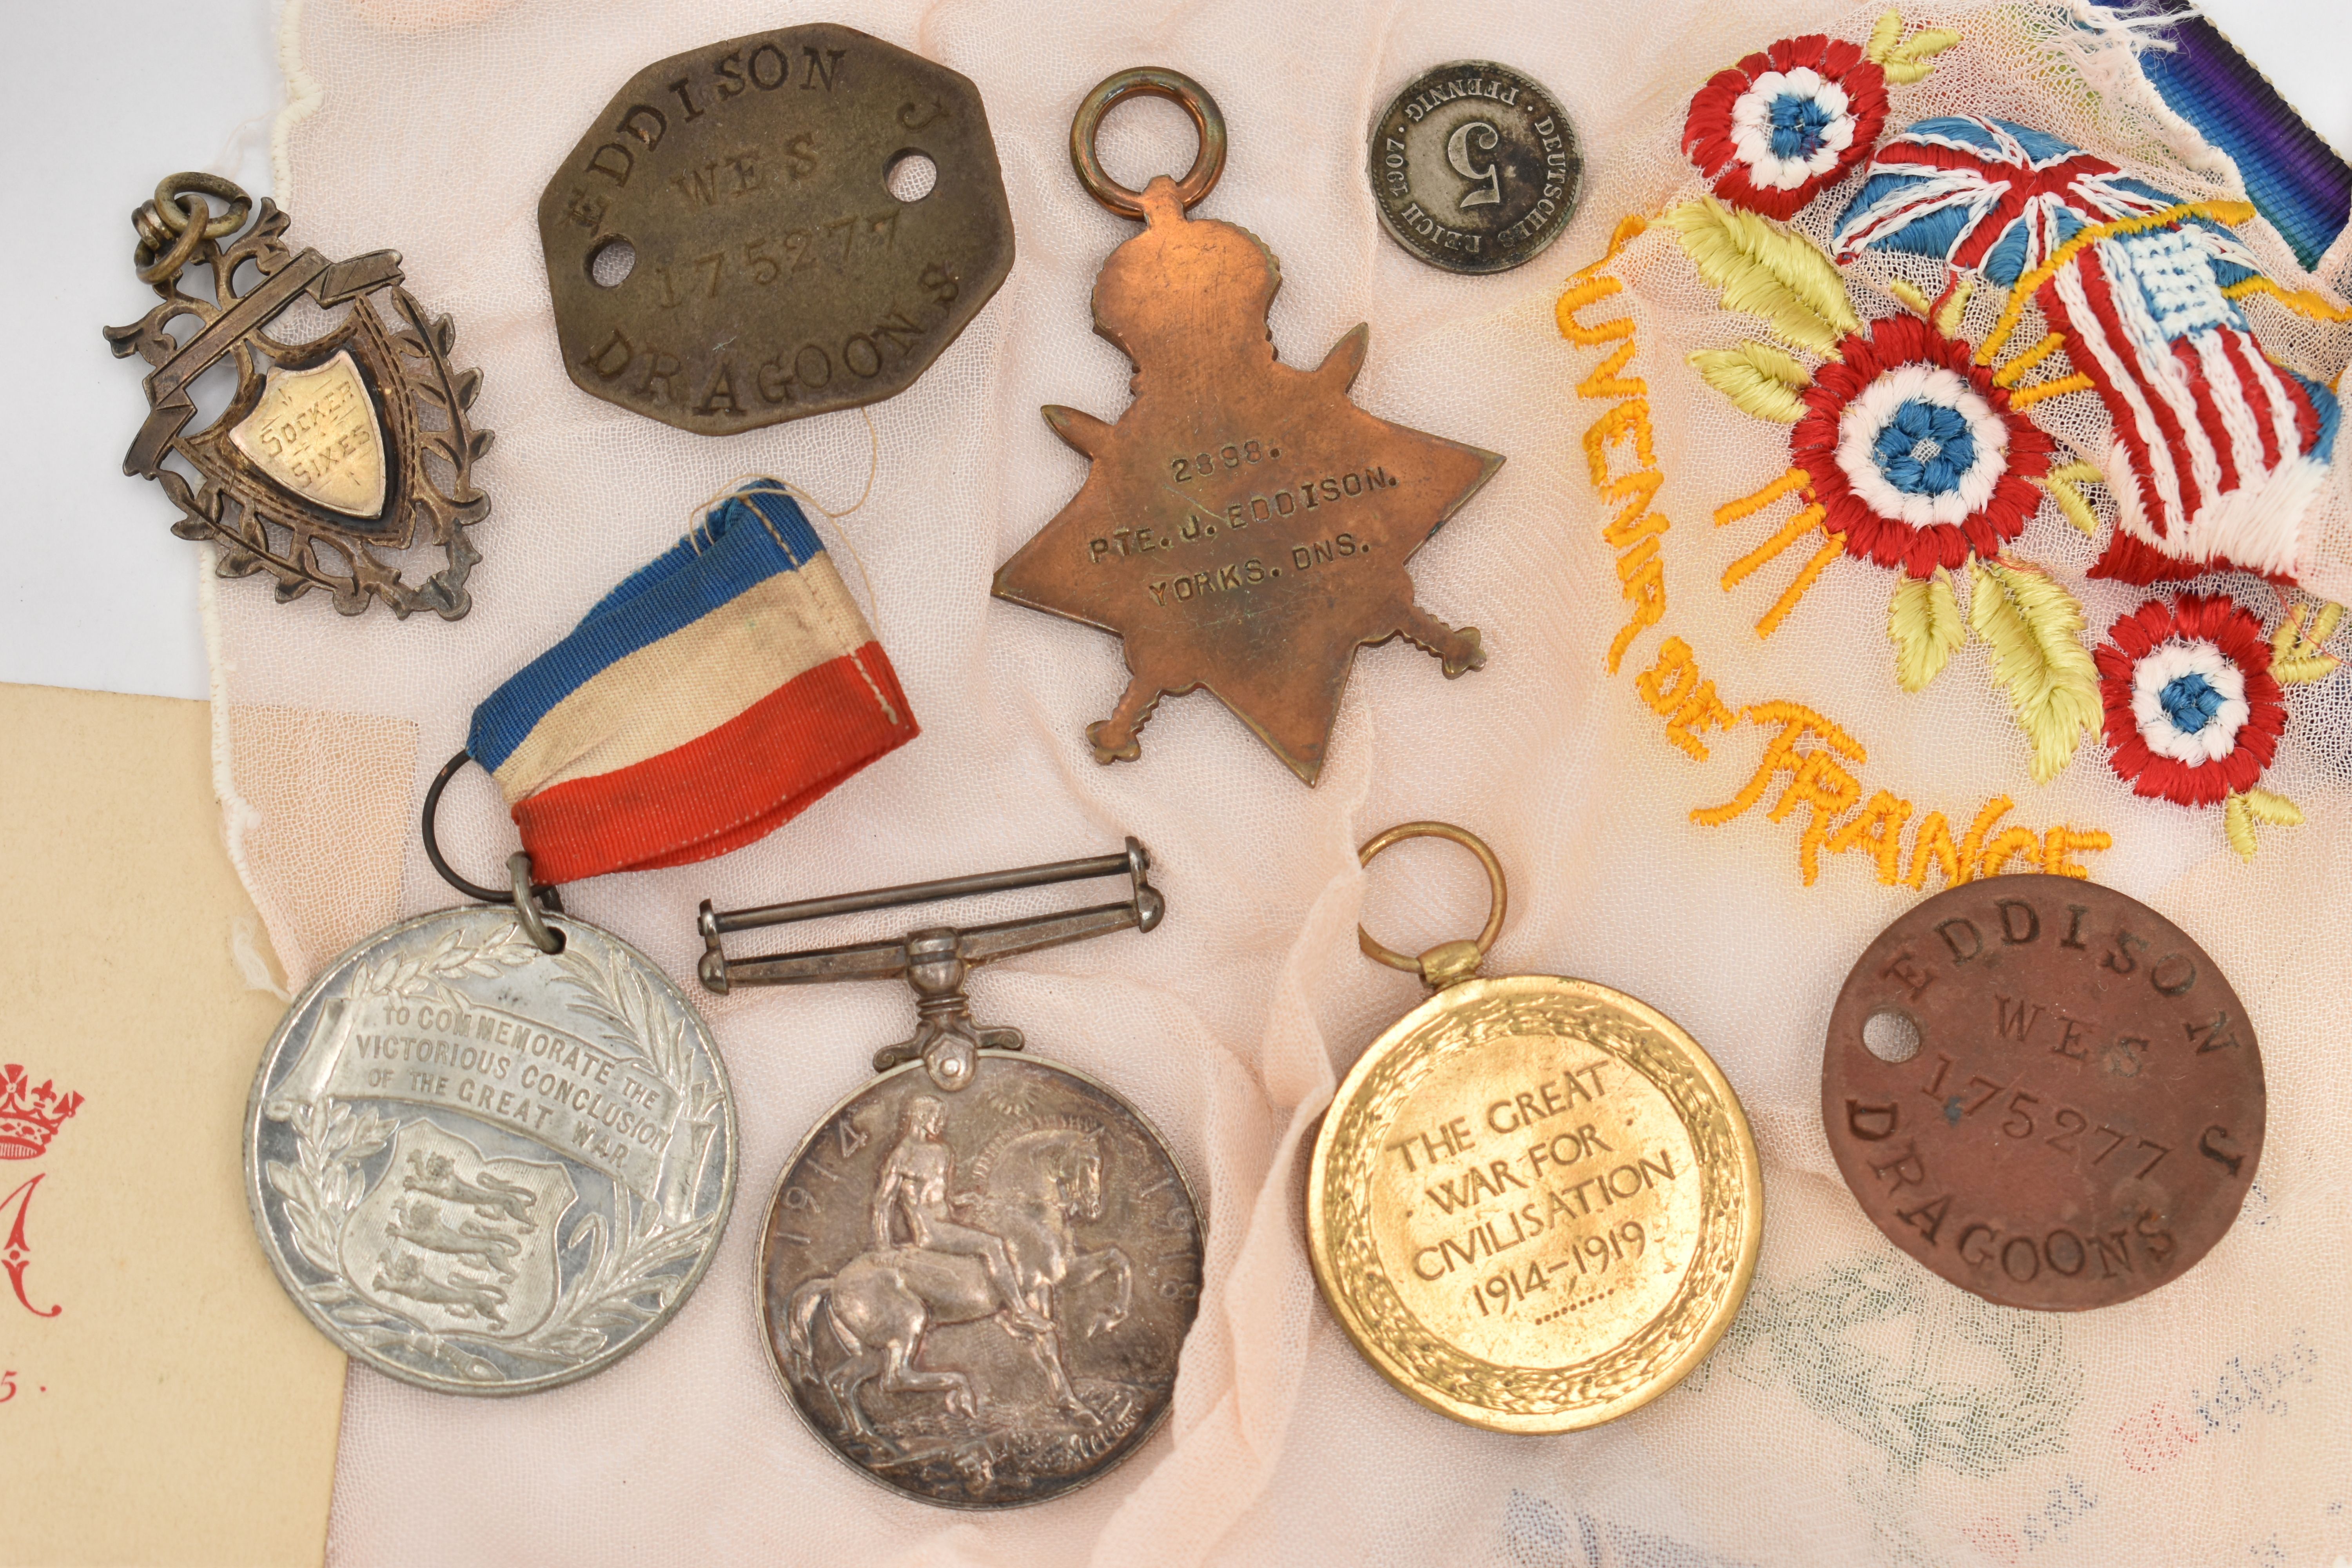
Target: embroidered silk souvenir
{"points": [[1912, 443], [712, 697], [1244, 527], [979, 1267], [1917, 445], [337, 453], [1535, 1203], [2218, 452], [735, 242]]}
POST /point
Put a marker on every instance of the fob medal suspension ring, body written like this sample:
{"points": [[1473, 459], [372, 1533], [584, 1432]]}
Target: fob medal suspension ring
{"points": [[1535, 1203]]}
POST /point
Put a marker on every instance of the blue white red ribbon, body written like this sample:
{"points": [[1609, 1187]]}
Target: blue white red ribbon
{"points": [[714, 695]]}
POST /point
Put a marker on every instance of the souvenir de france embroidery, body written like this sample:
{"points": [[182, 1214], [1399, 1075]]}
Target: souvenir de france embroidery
{"points": [[1912, 448]]}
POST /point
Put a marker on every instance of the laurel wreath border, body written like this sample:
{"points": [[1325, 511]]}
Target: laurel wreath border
{"points": [[623, 1286], [1728, 1215]]}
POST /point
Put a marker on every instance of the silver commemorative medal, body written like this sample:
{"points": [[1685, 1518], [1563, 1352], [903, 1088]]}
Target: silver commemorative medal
{"points": [[490, 1150], [978, 1270], [1474, 167]]}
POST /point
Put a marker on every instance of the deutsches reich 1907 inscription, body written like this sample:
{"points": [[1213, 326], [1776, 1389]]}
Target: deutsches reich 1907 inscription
{"points": [[724, 246], [2044, 1091], [978, 1296], [483, 1168], [1474, 167]]}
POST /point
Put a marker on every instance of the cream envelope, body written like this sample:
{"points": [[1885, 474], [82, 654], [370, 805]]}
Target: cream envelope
{"points": [[160, 1400]]}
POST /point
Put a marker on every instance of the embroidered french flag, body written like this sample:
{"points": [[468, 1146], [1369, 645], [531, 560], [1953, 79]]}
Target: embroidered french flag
{"points": [[713, 695]]}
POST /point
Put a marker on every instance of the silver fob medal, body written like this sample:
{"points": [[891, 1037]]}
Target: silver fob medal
{"points": [[978, 1270], [490, 1150]]}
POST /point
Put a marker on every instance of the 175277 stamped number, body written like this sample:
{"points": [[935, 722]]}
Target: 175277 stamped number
{"points": [[2044, 1091]]}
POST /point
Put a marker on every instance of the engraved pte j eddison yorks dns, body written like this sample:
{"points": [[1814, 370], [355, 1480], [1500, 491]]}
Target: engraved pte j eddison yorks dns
{"points": [[1474, 167]]}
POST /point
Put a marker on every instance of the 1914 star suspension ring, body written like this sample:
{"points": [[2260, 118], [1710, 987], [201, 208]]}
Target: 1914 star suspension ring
{"points": [[1152, 81], [1373, 950]]}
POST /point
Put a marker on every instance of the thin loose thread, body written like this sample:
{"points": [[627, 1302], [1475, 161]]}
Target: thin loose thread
{"points": [[768, 484]]}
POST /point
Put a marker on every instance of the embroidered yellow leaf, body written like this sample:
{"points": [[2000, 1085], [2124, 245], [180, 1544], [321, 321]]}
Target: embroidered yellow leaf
{"points": [[2283, 640], [2299, 658], [1759, 378], [2061, 482], [1948, 320], [2034, 627], [1883, 36], [1907, 61], [2275, 809], [1765, 271], [1924, 625], [1913, 301], [2303, 671], [2238, 823]]}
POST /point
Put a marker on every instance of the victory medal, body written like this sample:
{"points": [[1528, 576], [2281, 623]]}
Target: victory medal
{"points": [[1245, 526], [1535, 1203]]}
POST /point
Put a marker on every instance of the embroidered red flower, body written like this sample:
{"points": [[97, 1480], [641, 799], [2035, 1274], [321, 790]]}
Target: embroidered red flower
{"points": [[1912, 452], [1779, 126], [2193, 711]]}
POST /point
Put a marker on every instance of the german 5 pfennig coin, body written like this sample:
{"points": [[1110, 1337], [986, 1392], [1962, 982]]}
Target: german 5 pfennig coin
{"points": [[1474, 167], [483, 1168]]}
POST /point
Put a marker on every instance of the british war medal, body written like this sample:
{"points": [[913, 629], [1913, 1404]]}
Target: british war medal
{"points": [[1245, 526], [2043, 1090], [341, 450], [1535, 1203], [979, 1269], [724, 246]]}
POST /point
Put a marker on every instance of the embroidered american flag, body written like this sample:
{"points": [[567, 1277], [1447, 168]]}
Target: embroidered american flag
{"points": [[2218, 452]]}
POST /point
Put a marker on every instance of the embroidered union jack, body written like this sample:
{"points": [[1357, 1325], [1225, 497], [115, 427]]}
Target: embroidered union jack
{"points": [[2218, 452]]}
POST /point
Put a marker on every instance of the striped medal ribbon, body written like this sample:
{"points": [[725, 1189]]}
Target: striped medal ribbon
{"points": [[713, 695]]}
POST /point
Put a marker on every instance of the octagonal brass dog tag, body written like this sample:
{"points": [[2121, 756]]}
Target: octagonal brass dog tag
{"points": [[723, 245]]}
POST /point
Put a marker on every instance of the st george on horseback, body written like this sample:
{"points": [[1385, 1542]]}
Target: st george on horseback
{"points": [[1004, 1258]]}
